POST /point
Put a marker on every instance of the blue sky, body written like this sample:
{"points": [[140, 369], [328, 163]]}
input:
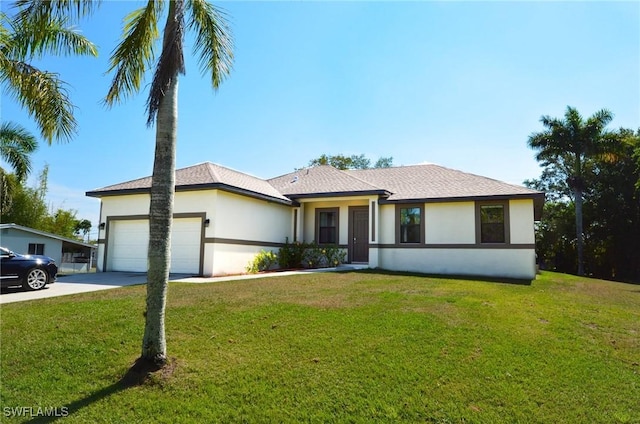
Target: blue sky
{"points": [[460, 84]]}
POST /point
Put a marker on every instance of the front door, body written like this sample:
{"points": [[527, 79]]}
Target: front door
{"points": [[359, 234]]}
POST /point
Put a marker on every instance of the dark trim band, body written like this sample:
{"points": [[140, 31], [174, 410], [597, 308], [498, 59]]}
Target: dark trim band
{"points": [[454, 246]]}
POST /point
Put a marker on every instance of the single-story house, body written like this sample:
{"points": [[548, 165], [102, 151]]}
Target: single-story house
{"points": [[421, 218], [27, 241]]}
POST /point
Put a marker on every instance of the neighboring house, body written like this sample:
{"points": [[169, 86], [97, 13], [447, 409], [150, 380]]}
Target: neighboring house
{"points": [[27, 241], [422, 218]]}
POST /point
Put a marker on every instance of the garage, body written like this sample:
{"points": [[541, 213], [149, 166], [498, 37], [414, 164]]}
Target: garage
{"points": [[128, 241]]}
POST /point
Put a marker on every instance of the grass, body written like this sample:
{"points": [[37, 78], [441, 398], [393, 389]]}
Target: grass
{"points": [[335, 347]]}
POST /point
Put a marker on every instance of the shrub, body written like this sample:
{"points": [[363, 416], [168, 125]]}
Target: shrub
{"points": [[291, 255], [263, 261], [310, 255]]}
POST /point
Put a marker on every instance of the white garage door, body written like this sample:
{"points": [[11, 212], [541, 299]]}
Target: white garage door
{"points": [[129, 240]]}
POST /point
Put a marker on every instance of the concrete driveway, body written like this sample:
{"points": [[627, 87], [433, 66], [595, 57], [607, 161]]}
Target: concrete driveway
{"points": [[78, 283]]}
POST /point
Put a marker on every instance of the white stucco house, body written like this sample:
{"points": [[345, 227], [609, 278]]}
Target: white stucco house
{"points": [[422, 218]]}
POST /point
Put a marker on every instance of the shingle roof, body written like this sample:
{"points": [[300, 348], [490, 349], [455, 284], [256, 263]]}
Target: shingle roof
{"points": [[404, 183], [201, 176], [322, 180], [436, 182]]}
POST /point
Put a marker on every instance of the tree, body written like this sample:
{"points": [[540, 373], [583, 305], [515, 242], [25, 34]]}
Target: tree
{"points": [[350, 162], [41, 28], [129, 61], [38, 28], [16, 146], [83, 227], [611, 217], [566, 146]]}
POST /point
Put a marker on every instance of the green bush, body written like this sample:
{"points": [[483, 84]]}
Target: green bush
{"points": [[263, 261], [310, 255], [291, 255]]}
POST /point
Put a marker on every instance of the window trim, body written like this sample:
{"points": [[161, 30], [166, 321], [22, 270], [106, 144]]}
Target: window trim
{"points": [[507, 222], [317, 226], [422, 223], [35, 248]]}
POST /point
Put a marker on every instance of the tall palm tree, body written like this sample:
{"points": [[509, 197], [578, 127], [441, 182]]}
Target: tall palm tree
{"points": [[567, 145], [131, 58]]}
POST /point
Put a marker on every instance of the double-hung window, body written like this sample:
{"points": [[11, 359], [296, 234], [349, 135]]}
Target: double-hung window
{"points": [[410, 221], [327, 225], [492, 221]]}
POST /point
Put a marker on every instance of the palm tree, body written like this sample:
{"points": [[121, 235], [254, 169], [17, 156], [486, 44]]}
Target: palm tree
{"points": [[567, 145], [131, 58], [37, 29], [16, 144]]}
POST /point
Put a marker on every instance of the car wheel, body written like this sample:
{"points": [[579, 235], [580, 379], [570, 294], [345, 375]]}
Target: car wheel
{"points": [[36, 279]]}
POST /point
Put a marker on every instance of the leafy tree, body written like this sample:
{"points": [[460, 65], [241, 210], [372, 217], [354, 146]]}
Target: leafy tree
{"points": [[23, 205], [611, 216], [565, 148], [61, 222], [129, 62], [612, 211], [83, 227], [350, 162]]}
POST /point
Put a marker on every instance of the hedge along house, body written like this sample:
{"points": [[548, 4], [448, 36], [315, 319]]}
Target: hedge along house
{"points": [[422, 218]]}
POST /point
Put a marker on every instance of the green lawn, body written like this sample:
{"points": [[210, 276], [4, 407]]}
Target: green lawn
{"points": [[335, 347]]}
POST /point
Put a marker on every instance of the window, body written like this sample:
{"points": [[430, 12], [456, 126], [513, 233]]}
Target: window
{"points": [[409, 228], [492, 220], [36, 249], [327, 226]]}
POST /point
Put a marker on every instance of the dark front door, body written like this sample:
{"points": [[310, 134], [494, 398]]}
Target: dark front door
{"points": [[359, 234]]}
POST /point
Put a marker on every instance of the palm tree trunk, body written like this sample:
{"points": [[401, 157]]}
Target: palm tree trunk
{"points": [[160, 219], [579, 233]]}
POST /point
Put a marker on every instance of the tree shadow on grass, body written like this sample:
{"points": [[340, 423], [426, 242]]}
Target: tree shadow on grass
{"points": [[142, 372]]}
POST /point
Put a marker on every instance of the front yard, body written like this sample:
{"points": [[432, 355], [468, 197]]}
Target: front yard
{"points": [[334, 347]]}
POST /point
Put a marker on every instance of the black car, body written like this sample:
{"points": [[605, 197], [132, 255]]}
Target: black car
{"points": [[29, 271]]}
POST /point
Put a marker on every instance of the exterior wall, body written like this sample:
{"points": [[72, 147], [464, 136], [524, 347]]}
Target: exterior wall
{"points": [[239, 226], [18, 241], [387, 219], [521, 216], [343, 218], [450, 223], [244, 218], [449, 229], [506, 263], [242, 226]]}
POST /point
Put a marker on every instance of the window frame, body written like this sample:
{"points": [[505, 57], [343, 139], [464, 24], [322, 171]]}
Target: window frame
{"points": [[399, 208], [336, 211], [35, 249], [506, 221]]}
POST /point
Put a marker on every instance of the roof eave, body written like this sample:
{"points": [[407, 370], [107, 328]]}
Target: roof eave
{"points": [[537, 198], [193, 187], [383, 193]]}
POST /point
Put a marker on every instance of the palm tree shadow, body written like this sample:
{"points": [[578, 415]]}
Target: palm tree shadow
{"points": [[140, 373]]}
